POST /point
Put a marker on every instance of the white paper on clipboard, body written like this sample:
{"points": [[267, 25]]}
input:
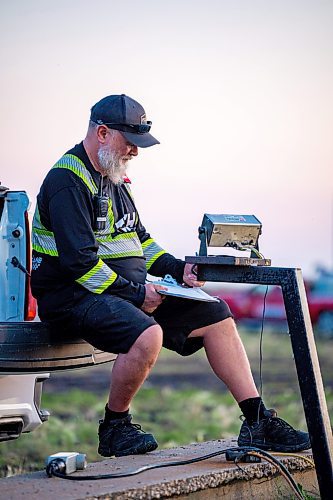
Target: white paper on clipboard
{"points": [[175, 290]]}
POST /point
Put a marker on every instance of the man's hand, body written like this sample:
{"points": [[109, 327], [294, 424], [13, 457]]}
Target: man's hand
{"points": [[189, 277], [152, 298]]}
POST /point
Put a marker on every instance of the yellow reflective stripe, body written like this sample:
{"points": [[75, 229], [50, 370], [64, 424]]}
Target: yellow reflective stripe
{"points": [[73, 163], [90, 273], [119, 237], [110, 216], [120, 255], [43, 232], [148, 242], [42, 240], [152, 251], [153, 259], [38, 248], [123, 245], [44, 243], [98, 278], [107, 283]]}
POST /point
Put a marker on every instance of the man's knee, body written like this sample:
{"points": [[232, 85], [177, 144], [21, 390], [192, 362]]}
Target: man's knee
{"points": [[150, 341], [229, 323], [226, 327]]}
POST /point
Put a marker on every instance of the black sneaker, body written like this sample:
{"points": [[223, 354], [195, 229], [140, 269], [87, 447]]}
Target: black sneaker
{"points": [[120, 437], [273, 433]]}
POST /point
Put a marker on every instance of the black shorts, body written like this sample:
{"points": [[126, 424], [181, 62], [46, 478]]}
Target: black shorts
{"points": [[113, 324]]}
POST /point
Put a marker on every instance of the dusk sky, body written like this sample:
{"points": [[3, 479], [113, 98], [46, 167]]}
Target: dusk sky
{"points": [[240, 93]]}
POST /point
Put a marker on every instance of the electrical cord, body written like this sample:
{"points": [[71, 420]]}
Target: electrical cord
{"points": [[260, 349], [57, 469], [280, 466], [147, 467], [282, 469], [260, 342]]}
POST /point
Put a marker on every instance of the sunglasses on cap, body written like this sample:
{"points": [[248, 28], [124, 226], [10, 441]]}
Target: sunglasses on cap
{"points": [[141, 128]]}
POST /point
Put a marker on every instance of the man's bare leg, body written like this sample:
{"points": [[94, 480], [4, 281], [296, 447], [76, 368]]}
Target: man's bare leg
{"points": [[131, 369], [261, 428], [117, 435], [227, 357]]}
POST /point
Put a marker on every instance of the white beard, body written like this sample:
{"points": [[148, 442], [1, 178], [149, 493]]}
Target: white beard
{"points": [[111, 165]]}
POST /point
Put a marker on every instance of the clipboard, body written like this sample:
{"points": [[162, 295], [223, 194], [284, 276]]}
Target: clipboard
{"points": [[174, 289]]}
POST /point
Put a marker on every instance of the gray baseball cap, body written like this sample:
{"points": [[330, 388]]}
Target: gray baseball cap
{"points": [[120, 112]]}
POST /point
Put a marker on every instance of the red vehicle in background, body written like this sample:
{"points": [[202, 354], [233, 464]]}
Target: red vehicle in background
{"points": [[247, 304]]}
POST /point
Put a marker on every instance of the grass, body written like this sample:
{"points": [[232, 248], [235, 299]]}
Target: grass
{"points": [[176, 417]]}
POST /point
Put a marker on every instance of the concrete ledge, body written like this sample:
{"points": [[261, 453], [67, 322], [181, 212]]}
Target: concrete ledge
{"points": [[211, 478]]}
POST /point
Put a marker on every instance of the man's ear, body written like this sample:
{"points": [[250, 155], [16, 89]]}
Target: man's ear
{"points": [[101, 133]]}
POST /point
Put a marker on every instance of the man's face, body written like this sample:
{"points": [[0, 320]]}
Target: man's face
{"points": [[114, 154]]}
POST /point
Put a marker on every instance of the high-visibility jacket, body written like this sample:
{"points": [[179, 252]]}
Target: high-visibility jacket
{"points": [[68, 253]]}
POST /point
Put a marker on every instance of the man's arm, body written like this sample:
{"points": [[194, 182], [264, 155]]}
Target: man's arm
{"points": [[160, 263], [71, 217]]}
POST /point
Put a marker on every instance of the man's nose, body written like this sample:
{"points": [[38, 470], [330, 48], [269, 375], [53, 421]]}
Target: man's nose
{"points": [[134, 150]]}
